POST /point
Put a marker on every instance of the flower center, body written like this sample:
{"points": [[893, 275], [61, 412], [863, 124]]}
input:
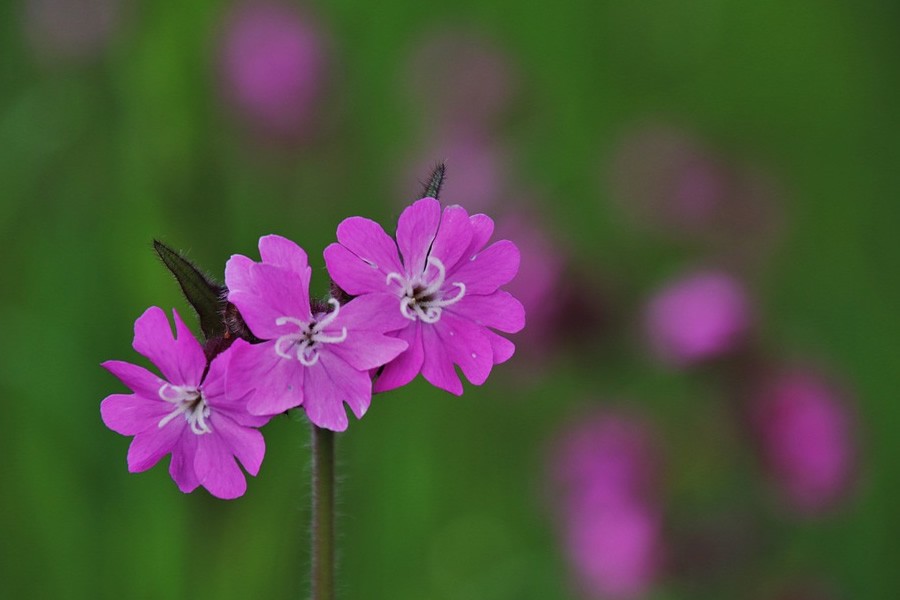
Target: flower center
{"points": [[188, 401], [305, 343], [422, 298]]}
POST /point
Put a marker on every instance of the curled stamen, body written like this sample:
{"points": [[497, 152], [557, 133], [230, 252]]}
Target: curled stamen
{"points": [[438, 281], [291, 338], [447, 302], [331, 339], [329, 318]]}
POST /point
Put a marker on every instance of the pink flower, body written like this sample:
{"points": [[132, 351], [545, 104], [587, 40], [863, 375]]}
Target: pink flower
{"points": [[697, 317], [446, 290], [317, 358], [186, 414], [273, 66], [806, 439]]}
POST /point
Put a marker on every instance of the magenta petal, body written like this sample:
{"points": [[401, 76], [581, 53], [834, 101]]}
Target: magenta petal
{"points": [[329, 384], [181, 467], [152, 444], [278, 293], [502, 348], [276, 382], [282, 252], [367, 240], [482, 230], [467, 346], [437, 367], [138, 379], [496, 265], [407, 365], [453, 236], [366, 350], [214, 390], [131, 414], [237, 273], [353, 274], [216, 468], [416, 229], [180, 359], [373, 312], [246, 443], [499, 310]]}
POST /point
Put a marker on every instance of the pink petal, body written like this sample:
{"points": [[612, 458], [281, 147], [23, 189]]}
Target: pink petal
{"points": [[214, 391], [416, 229], [138, 379], [152, 444], [373, 312], [482, 230], [246, 443], [216, 468], [282, 252], [367, 240], [407, 365], [491, 268], [237, 273], [276, 383], [499, 310], [131, 414], [181, 467], [331, 382], [278, 293], [467, 346], [502, 348], [353, 274], [453, 236], [437, 368], [365, 350], [180, 359]]}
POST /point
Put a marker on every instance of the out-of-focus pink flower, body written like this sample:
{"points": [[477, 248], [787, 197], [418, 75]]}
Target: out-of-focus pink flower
{"points": [[76, 30], [445, 281], [477, 170], [461, 79], [540, 276], [697, 317], [667, 180], [614, 550], [273, 66], [604, 473], [805, 431]]}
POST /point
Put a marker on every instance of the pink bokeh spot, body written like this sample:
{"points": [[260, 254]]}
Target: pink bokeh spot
{"points": [[697, 317]]}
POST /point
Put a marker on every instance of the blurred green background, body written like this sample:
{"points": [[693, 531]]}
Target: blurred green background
{"points": [[440, 497]]}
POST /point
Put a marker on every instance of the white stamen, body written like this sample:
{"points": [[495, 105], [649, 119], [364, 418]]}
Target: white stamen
{"points": [[426, 304], [303, 342], [188, 401]]}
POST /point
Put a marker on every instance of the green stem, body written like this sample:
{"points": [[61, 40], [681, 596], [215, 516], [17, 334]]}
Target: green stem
{"points": [[323, 514]]}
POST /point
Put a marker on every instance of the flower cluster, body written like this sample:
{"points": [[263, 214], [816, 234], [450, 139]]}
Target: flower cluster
{"points": [[426, 303]]}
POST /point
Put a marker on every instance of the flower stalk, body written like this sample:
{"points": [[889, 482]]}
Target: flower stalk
{"points": [[322, 514]]}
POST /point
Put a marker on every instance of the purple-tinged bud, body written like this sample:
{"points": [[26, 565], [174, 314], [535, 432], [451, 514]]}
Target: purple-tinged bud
{"points": [[477, 171], [805, 433], [697, 317], [273, 66], [71, 30]]}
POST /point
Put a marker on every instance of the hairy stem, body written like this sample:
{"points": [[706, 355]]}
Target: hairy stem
{"points": [[323, 514]]}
